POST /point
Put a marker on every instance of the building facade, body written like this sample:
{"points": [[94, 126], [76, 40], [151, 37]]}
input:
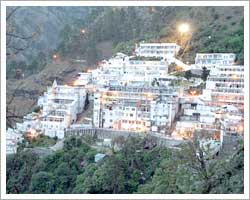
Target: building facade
{"points": [[164, 50], [135, 108], [225, 85], [60, 106], [210, 60]]}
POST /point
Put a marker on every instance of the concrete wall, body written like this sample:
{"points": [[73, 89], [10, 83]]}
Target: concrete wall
{"points": [[111, 134]]}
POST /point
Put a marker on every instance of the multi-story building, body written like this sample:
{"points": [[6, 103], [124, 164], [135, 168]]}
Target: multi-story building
{"points": [[148, 69], [197, 115], [164, 50], [121, 70], [60, 106], [135, 108], [209, 60], [225, 85]]}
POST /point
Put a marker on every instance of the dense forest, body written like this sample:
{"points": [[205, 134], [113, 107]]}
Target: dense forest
{"points": [[134, 167]]}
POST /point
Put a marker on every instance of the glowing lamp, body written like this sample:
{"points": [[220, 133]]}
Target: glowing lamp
{"points": [[183, 28]]}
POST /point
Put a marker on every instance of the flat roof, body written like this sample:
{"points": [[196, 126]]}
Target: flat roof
{"points": [[158, 44]]}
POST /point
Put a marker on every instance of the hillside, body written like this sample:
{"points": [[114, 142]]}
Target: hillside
{"points": [[26, 91], [213, 29], [108, 30], [46, 23], [87, 160]]}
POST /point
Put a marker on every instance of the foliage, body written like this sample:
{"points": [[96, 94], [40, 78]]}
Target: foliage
{"points": [[42, 182], [124, 47], [36, 65], [188, 74], [214, 30], [41, 141], [138, 167], [189, 171], [146, 58], [36, 109], [19, 171], [205, 73]]}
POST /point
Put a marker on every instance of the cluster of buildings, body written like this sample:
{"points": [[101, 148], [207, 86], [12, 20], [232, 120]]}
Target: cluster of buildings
{"points": [[219, 111], [59, 107], [136, 93]]}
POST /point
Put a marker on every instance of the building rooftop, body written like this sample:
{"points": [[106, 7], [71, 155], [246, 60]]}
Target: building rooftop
{"points": [[99, 157]]}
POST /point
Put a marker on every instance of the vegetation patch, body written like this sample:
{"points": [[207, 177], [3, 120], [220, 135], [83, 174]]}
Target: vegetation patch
{"points": [[138, 166], [41, 141]]}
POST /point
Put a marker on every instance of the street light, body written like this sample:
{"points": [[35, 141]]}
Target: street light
{"points": [[83, 31], [55, 56], [183, 29]]}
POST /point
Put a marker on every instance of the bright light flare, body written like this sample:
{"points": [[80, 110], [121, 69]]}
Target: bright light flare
{"points": [[31, 133], [235, 77], [193, 92], [183, 28], [83, 31], [55, 56], [75, 83], [149, 95], [241, 128]]}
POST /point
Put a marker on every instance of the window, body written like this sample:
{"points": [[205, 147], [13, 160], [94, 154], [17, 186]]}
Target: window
{"points": [[131, 115]]}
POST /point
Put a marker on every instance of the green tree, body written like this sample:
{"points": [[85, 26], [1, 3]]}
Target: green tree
{"points": [[205, 73], [19, 171], [64, 178], [188, 74], [84, 183], [109, 178], [42, 183]]}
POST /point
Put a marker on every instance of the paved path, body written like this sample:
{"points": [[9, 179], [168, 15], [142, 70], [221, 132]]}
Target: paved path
{"points": [[58, 145]]}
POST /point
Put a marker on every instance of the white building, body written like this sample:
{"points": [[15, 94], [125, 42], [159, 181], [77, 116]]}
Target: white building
{"points": [[225, 85], [209, 60], [13, 137], [148, 69], [135, 108], [120, 70], [220, 107], [164, 50], [196, 115], [60, 106]]}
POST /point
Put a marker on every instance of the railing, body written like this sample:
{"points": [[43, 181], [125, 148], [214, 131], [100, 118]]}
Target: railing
{"points": [[102, 133]]}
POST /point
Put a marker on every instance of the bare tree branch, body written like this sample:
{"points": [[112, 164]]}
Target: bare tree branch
{"points": [[13, 37], [20, 37], [11, 13]]}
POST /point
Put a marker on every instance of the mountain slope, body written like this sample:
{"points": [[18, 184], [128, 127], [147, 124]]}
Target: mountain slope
{"points": [[109, 29], [213, 29]]}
